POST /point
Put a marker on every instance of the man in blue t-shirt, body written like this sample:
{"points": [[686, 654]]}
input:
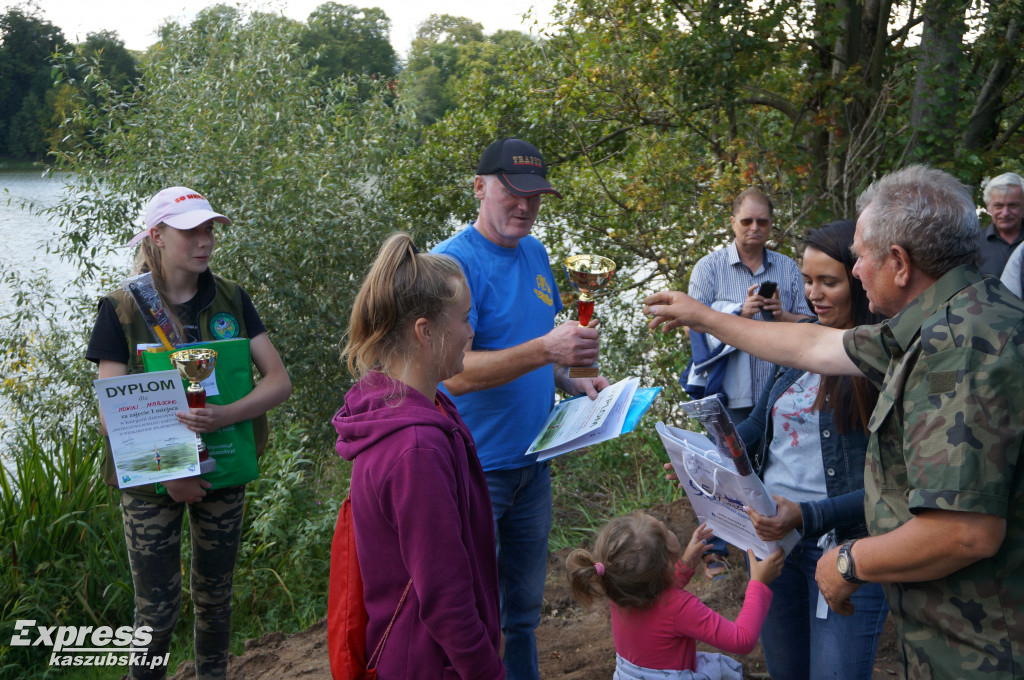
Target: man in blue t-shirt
{"points": [[507, 388]]}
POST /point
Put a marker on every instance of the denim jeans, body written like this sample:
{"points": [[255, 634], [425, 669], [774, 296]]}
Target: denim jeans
{"points": [[798, 645], [521, 499], [718, 546]]}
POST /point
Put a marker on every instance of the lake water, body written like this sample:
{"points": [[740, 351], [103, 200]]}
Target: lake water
{"points": [[24, 232]]}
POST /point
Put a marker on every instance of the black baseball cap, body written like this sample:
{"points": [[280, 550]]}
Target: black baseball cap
{"points": [[518, 165]]}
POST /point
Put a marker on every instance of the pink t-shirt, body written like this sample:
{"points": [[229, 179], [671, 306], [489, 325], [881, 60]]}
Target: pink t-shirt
{"points": [[665, 635]]}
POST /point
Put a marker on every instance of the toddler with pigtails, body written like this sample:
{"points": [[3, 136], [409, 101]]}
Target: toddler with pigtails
{"points": [[640, 566]]}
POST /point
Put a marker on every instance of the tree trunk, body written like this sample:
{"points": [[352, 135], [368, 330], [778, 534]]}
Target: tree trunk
{"points": [[983, 126], [937, 84]]}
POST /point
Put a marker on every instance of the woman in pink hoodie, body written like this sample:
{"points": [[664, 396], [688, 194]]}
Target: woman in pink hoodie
{"points": [[420, 504]]}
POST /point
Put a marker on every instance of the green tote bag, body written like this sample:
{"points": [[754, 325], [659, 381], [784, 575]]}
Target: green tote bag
{"points": [[234, 446]]}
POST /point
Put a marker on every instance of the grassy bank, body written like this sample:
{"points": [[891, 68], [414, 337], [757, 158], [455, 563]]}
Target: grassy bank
{"points": [[64, 560], [7, 164], [64, 563], [61, 562]]}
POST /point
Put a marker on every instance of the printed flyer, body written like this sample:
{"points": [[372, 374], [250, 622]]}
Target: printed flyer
{"points": [[148, 442], [578, 422]]}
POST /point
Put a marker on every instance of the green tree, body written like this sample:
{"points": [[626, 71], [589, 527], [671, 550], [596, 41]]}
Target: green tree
{"points": [[996, 117], [654, 113], [106, 54], [26, 45], [937, 81], [440, 55], [299, 167], [96, 68], [26, 132], [349, 41]]}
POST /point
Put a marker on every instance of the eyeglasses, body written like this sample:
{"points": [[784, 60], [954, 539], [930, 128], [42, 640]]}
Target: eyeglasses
{"points": [[761, 221]]}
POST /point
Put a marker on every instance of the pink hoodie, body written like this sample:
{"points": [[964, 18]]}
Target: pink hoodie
{"points": [[422, 511]]}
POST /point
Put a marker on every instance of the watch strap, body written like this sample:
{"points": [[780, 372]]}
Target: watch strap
{"points": [[848, 570]]}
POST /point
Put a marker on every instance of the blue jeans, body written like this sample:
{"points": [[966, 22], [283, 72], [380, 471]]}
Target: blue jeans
{"points": [[798, 645], [718, 546], [521, 499]]}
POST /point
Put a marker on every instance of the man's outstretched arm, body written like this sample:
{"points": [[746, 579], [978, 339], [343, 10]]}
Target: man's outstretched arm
{"points": [[810, 347]]}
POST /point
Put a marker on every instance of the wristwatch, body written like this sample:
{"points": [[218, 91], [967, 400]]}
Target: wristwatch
{"points": [[844, 563]]}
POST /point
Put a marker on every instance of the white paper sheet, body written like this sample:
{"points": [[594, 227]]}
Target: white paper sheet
{"points": [[718, 493]]}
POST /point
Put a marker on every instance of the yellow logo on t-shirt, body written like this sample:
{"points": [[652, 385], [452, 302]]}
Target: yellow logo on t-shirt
{"points": [[543, 290]]}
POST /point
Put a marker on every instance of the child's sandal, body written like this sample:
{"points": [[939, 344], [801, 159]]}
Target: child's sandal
{"points": [[715, 567]]}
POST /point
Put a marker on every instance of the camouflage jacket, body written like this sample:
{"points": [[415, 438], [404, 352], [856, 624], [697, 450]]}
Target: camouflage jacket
{"points": [[946, 434]]}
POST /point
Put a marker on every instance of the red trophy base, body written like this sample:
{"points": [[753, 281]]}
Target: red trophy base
{"points": [[585, 308], [197, 399]]}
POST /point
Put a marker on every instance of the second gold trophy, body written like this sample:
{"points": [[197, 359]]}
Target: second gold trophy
{"points": [[196, 365], [587, 274]]}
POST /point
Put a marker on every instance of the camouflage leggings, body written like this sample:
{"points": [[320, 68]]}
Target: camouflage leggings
{"points": [[152, 530]]}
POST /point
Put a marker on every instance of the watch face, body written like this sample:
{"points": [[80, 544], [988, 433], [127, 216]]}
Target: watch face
{"points": [[843, 564]]}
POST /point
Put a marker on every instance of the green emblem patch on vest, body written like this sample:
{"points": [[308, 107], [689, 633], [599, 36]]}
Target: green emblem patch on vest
{"points": [[224, 326]]}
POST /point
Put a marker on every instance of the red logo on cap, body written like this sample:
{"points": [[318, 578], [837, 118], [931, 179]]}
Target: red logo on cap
{"points": [[527, 160]]}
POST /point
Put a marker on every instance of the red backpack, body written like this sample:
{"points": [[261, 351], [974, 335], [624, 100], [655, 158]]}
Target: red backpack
{"points": [[346, 612]]}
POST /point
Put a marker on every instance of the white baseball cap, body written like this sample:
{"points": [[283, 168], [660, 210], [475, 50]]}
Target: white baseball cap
{"points": [[180, 208]]}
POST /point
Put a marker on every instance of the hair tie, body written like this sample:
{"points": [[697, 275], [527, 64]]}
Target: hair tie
{"points": [[415, 250], [599, 568]]}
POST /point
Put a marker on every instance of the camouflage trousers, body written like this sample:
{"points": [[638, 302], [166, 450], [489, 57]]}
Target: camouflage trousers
{"points": [[152, 530]]}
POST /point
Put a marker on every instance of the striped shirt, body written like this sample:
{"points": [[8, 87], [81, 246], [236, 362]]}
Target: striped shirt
{"points": [[722, 276]]}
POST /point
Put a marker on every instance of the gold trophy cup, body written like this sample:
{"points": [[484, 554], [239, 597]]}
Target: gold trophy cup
{"points": [[587, 274], [196, 365]]}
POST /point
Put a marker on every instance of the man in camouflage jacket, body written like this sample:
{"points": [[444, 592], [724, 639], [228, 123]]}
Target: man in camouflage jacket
{"points": [[944, 498]]}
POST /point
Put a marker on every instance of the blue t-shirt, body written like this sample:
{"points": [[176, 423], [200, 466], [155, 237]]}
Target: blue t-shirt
{"points": [[514, 300]]}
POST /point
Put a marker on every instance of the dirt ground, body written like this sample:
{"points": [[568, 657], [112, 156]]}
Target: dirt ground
{"points": [[573, 643]]}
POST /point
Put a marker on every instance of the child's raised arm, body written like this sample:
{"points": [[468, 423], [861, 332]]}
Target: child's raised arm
{"points": [[739, 636], [766, 570], [697, 546]]}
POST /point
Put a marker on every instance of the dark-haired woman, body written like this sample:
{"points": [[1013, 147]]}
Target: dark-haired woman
{"points": [[812, 432]]}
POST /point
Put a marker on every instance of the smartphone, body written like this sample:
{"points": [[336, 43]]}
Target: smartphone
{"points": [[766, 290]]}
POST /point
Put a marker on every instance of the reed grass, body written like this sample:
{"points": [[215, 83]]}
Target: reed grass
{"points": [[60, 563], [592, 485], [63, 560]]}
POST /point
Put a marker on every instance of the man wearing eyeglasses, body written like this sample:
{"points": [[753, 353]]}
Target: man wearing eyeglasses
{"points": [[729, 280], [944, 477]]}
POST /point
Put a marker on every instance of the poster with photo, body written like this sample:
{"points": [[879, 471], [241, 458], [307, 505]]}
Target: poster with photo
{"points": [[148, 442]]}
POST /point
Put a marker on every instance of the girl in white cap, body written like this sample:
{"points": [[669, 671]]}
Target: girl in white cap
{"points": [[175, 248]]}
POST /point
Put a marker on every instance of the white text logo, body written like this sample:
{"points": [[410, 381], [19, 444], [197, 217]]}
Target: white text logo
{"points": [[89, 645]]}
